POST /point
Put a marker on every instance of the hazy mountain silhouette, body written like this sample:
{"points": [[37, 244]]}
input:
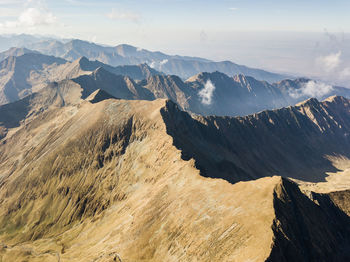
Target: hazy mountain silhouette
{"points": [[182, 66]]}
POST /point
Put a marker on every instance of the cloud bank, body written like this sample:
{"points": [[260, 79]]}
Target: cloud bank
{"points": [[311, 89], [35, 14], [206, 94]]}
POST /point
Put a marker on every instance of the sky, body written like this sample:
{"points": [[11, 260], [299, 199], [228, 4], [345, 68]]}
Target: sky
{"points": [[297, 37]]}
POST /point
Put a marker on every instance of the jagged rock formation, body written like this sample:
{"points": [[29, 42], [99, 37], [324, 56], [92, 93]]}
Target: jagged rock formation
{"points": [[126, 180]]}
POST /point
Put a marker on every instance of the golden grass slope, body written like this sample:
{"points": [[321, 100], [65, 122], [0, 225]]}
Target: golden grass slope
{"points": [[91, 182]]}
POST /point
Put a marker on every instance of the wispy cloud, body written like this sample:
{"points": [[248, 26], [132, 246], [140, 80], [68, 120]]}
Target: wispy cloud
{"points": [[329, 62], [311, 89], [156, 64], [206, 94], [233, 8], [124, 15]]}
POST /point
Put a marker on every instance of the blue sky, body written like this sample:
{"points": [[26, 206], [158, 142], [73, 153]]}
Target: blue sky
{"points": [[108, 17], [278, 35]]}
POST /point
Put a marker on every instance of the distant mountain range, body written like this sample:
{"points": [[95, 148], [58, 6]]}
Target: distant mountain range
{"points": [[182, 66], [21, 40], [205, 93]]}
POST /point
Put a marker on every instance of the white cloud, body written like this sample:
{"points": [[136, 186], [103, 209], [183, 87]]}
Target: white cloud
{"points": [[163, 62], [311, 89], [329, 62], [157, 64], [233, 8], [35, 17], [35, 14], [120, 15], [206, 94], [153, 64]]}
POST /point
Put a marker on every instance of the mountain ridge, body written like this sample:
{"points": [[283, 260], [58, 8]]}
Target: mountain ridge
{"points": [[113, 153]]}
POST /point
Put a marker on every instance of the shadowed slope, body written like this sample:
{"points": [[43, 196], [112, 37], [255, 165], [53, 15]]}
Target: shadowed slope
{"points": [[291, 142]]}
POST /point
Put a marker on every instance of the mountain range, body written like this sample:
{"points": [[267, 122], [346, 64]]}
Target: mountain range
{"points": [[182, 66], [205, 93]]}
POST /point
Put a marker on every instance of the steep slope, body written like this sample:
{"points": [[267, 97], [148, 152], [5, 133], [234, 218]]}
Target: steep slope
{"points": [[170, 87], [291, 142], [182, 66], [308, 230]]}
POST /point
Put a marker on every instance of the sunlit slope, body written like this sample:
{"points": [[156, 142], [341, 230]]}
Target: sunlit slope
{"points": [[105, 182]]}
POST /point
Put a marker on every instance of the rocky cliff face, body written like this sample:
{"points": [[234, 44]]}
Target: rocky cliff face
{"points": [[308, 229]]}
